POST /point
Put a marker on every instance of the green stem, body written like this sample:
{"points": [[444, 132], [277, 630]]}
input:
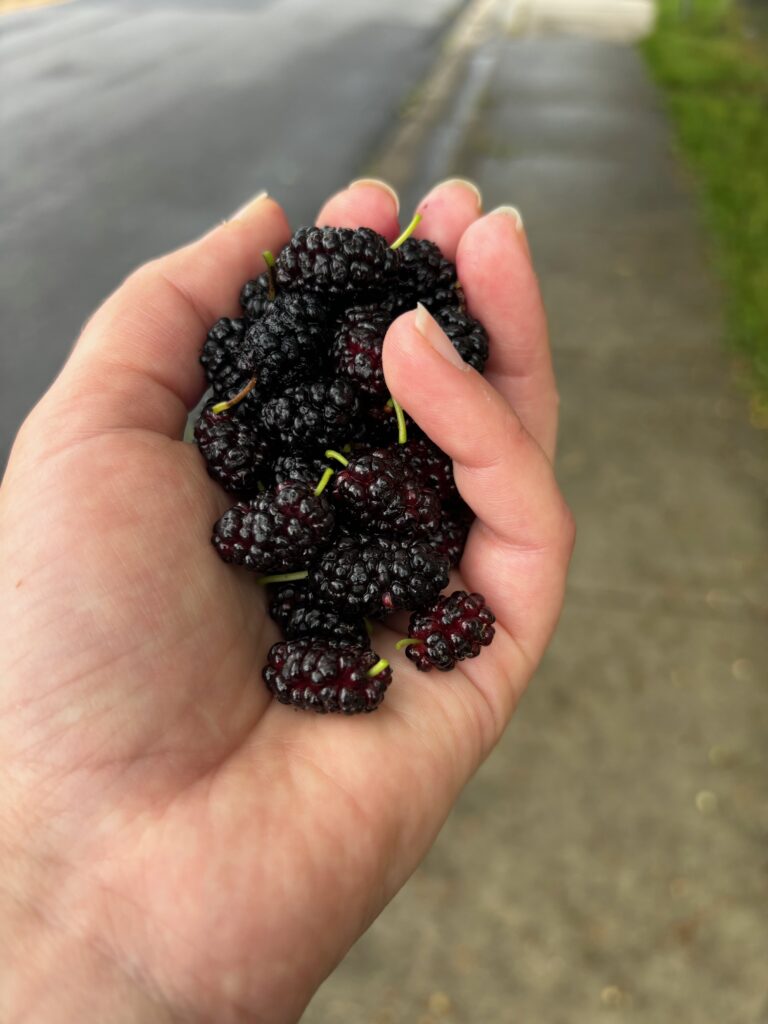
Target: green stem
{"points": [[378, 668], [269, 259], [405, 642], [284, 577], [223, 406], [323, 481], [408, 232], [368, 626], [402, 430], [331, 454]]}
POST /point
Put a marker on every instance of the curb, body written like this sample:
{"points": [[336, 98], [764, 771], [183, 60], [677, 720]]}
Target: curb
{"points": [[396, 160]]}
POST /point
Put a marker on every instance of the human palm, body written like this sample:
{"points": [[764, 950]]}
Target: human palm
{"points": [[177, 846]]}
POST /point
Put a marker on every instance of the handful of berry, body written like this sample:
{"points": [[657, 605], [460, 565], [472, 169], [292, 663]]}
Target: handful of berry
{"points": [[343, 506]]}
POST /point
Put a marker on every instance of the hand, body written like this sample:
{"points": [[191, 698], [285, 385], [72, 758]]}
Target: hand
{"points": [[174, 845]]}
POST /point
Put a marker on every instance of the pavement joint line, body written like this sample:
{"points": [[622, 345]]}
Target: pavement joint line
{"points": [[14, 6], [396, 159]]}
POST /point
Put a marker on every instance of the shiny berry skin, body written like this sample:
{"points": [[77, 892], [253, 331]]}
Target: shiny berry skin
{"points": [[377, 494], [357, 349], [452, 629], [235, 455], [378, 576], [293, 609], [429, 465], [311, 415], [449, 539], [304, 307], [335, 260], [317, 674], [280, 530], [219, 355], [284, 598], [467, 335], [426, 276], [279, 350], [298, 466], [254, 297]]}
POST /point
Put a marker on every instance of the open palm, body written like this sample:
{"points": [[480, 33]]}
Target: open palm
{"points": [[174, 845]]}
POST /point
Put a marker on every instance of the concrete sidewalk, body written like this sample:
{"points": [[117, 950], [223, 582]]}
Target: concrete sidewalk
{"points": [[610, 861]]}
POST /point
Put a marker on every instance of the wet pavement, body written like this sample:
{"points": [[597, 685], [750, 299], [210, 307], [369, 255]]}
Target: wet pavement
{"points": [[131, 126]]}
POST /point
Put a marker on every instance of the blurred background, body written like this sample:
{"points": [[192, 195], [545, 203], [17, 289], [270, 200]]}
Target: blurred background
{"points": [[610, 861]]}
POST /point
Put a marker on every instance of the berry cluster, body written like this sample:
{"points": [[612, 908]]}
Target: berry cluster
{"points": [[342, 506]]}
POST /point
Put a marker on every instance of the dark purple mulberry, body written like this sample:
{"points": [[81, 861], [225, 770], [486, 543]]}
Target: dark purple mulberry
{"points": [[357, 349], [335, 260], [293, 609], [320, 675], [449, 539], [376, 494], [234, 452], [219, 355], [298, 466], [306, 307], [468, 336], [322, 413], [453, 629], [429, 466], [279, 350], [379, 577], [254, 297], [426, 276], [283, 529]]}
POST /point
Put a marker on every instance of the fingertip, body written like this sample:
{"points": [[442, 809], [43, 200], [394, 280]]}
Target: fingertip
{"points": [[377, 183], [501, 288], [250, 206], [368, 203], [447, 211]]}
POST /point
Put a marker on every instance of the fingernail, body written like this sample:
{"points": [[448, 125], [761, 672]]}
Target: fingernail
{"points": [[378, 183], [468, 185], [436, 337], [514, 213], [248, 207]]}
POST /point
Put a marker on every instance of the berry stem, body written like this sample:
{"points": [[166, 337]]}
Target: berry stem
{"points": [[402, 430], [408, 232], [323, 481], [223, 406], [331, 454], [368, 626], [378, 668], [284, 577], [269, 259], [405, 642]]}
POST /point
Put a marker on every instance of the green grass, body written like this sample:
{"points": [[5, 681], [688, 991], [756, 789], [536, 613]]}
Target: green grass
{"points": [[711, 61]]}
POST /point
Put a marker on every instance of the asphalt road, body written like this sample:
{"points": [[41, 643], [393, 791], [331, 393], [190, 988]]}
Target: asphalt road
{"points": [[130, 126]]}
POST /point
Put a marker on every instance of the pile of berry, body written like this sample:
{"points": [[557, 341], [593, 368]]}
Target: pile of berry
{"points": [[343, 506]]}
